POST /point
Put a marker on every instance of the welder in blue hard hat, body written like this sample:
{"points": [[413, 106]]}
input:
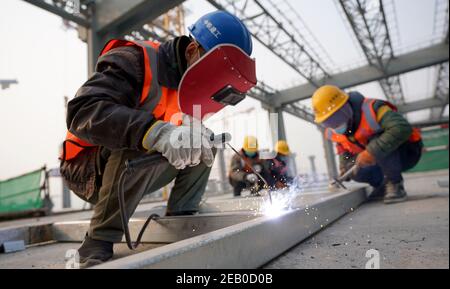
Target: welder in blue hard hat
{"points": [[139, 100]]}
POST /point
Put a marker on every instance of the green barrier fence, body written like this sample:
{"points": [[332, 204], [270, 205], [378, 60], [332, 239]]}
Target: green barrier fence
{"points": [[22, 193], [436, 155]]}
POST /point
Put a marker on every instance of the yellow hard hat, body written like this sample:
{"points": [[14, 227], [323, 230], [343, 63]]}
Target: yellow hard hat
{"points": [[327, 100], [250, 144], [282, 148]]}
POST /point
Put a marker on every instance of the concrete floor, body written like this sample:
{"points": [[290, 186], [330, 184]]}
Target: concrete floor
{"points": [[414, 234], [55, 255]]}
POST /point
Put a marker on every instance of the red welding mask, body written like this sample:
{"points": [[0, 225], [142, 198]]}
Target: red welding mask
{"points": [[220, 78]]}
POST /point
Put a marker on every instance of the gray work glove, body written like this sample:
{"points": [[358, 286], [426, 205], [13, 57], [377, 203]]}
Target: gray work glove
{"points": [[183, 146], [251, 178]]}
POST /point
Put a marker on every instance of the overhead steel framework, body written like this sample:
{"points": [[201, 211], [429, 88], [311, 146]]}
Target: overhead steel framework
{"points": [[442, 82], [103, 20], [415, 60], [271, 32], [98, 21], [441, 93], [367, 19], [283, 39]]}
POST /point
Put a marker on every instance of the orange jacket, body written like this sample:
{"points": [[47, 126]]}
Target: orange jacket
{"points": [[367, 129], [160, 101]]}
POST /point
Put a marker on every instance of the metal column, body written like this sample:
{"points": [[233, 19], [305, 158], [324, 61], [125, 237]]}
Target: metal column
{"points": [[330, 157], [312, 160], [276, 123], [278, 132], [222, 170]]}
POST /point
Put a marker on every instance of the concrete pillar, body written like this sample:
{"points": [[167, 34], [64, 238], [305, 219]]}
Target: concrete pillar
{"points": [[276, 123], [222, 170], [66, 201], [95, 42], [278, 132], [312, 160], [330, 157]]}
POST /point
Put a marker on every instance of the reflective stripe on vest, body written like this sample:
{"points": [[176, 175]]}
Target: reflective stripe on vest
{"points": [[368, 128], [162, 102]]}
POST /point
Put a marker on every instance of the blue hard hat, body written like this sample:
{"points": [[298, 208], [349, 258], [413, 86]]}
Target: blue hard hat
{"points": [[221, 27]]}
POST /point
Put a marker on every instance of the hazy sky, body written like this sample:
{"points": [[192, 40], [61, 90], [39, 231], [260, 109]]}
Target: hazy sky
{"points": [[50, 63]]}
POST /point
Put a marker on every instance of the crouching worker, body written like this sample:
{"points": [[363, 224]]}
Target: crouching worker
{"points": [[279, 170], [241, 175], [139, 101], [371, 134]]}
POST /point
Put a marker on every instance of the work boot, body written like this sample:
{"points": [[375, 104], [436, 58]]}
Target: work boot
{"points": [[94, 252], [377, 194], [395, 193]]}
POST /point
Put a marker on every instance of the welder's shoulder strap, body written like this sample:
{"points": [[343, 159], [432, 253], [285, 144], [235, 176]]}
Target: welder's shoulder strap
{"points": [[151, 90]]}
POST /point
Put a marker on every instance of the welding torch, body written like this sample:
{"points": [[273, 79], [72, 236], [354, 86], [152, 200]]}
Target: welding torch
{"points": [[339, 182]]}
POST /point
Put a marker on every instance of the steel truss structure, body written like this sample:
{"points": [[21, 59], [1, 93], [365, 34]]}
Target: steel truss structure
{"points": [[368, 21], [271, 32], [135, 19]]}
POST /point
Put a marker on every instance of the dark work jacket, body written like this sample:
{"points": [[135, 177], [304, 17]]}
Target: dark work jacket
{"points": [[105, 111]]}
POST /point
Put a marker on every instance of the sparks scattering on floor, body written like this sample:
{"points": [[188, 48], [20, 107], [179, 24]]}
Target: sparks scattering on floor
{"points": [[281, 200]]}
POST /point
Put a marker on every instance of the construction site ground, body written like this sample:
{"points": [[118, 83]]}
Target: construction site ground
{"points": [[414, 234]]}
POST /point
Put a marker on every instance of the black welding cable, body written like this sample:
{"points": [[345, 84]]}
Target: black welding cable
{"points": [[151, 159], [123, 215]]}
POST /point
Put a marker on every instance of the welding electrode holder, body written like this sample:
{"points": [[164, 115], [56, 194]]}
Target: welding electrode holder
{"points": [[140, 163], [339, 182]]}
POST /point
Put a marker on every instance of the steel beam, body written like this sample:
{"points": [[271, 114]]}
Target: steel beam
{"points": [[300, 111], [263, 93], [367, 19], [276, 36], [276, 124], [330, 157], [222, 170], [62, 9], [130, 15], [428, 123], [423, 104], [412, 61], [257, 204], [164, 230], [441, 91], [28, 234], [6, 83], [249, 244]]}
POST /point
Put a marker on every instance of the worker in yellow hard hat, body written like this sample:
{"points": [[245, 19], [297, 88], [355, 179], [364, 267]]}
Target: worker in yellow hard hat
{"points": [[279, 171], [371, 134], [241, 175]]}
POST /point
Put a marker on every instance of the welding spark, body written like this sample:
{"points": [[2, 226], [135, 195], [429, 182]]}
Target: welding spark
{"points": [[282, 200], [275, 209]]}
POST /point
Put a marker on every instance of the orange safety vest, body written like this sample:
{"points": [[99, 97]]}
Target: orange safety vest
{"points": [[161, 101], [367, 129]]}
